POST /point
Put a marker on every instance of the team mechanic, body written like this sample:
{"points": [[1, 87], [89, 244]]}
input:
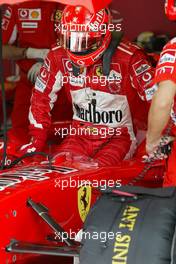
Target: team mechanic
{"points": [[163, 108], [84, 55], [28, 34]]}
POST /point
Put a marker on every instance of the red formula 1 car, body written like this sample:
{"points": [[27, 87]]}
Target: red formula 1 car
{"points": [[43, 205]]}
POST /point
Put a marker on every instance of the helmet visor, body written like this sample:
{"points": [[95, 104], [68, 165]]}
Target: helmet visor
{"points": [[80, 41]]}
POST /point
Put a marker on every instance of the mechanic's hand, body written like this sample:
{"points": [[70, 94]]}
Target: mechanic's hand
{"points": [[152, 147], [155, 150], [40, 54], [35, 145], [34, 71]]}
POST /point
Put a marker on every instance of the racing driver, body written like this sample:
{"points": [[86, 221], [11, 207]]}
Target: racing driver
{"points": [[88, 49], [163, 108]]}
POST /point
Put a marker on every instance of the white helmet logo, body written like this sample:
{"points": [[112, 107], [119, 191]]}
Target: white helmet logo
{"points": [[80, 62]]}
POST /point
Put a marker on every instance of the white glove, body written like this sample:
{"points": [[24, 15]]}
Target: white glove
{"points": [[34, 71], [35, 145], [32, 53]]}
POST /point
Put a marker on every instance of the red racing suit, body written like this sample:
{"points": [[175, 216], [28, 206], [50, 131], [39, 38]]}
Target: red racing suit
{"points": [[28, 24], [117, 102], [166, 70]]}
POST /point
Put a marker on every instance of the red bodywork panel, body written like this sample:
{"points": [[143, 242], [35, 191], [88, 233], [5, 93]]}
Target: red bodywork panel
{"points": [[20, 222]]}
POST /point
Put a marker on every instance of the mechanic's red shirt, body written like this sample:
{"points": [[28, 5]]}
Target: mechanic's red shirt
{"points": [[30, 24], [166, 69]]}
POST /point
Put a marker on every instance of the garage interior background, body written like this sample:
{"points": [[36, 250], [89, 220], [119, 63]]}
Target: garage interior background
{"points": [[138, 16], [144, 15]]}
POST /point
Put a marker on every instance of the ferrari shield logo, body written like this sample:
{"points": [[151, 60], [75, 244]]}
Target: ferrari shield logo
{"points": [[58, 16], [84, 200], [99, 71]]}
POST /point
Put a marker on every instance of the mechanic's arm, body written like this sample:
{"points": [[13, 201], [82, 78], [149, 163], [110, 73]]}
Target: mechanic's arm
{"points": [[10, 52], [10, 34], [159, 113], [16, 53]]}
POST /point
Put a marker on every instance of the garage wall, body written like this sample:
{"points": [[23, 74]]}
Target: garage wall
{"points": [[144, 15]]}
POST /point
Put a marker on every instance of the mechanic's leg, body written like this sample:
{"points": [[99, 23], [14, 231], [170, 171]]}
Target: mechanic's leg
{"points": [[20, 111], [114, 151], [170, 176]]}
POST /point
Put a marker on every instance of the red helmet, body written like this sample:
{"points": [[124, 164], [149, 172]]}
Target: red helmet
{"points": [[85, 36], [170, 9]]}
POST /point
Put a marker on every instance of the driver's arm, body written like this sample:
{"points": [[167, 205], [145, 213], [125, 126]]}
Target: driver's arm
{"points": [[142, 74], [47, 86]]}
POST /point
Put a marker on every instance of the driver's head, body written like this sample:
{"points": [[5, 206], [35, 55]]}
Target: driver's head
{"points": [[85, 36], [170, 9]]}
